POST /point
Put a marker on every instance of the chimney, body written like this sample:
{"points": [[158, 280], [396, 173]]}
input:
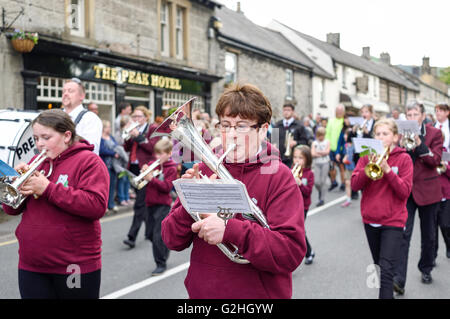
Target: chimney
{"points": [[426, 65], [334, 39], [238, 7], [385, 58], [366, 53]]}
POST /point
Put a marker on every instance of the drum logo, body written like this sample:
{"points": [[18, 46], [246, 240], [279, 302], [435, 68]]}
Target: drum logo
{"points": [[62, 179]]}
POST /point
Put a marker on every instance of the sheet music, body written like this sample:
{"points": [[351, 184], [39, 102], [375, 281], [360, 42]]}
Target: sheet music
{"points": [[368, 144], [408, 126], [209, 196], [446, 156], [356, 120]]}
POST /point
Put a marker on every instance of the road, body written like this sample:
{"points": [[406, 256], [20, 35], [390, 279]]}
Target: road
{"points": [[341, 269]]}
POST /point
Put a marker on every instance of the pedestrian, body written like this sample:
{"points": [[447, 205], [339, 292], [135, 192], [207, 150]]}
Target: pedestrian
{"points": [[124, 109], [141, 151], [339, 153], [305, 181], [60, 234], [349, 167], [244, 114], [333, 132], [158, 200], [108, 153], [383, 203], [425, 196], [290, 128], [88, 124], [442, 111], [320, 150], [93, 108]]}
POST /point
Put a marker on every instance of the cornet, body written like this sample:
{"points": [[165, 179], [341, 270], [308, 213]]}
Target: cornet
{"points": [[297, 171], [409, 141], [373, 170], [287, 144], [179, 126], [360, 129], [139, 182], [10, 190], [126, 131], [441, 168]]}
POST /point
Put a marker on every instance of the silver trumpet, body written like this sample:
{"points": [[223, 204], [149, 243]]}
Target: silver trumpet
{"points": [[287, 144], [441, 168], [126, 131], [360, 129], [409, 141], [179, 126], [139, 181], [10, 190]]}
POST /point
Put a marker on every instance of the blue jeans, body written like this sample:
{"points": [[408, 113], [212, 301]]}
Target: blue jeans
{"points": [[112, 187], [123, 186]]}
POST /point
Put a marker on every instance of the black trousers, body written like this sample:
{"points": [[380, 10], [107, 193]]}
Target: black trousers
{"points": [[308, 246], [156, 214], [443, 221], [140, 210], [427, 216], [384, 243], [33, 285]]}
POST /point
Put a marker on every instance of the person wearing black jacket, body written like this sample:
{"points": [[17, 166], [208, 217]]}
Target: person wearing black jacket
{"points": [[298, 131]]}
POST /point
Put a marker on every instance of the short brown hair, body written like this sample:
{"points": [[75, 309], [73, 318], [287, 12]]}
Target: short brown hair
{"points": [[163, 146], [58, 120], [321, 131], [247, 101], [306, 152], [442, 107]]}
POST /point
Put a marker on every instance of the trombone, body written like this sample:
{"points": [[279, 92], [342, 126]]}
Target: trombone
{"points": [[10, 190], [179, 126], [139, 181], [373, 170]]}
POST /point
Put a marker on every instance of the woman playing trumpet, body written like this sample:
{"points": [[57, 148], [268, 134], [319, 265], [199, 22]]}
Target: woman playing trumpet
{"points": [[60, 233], [383, 203]]}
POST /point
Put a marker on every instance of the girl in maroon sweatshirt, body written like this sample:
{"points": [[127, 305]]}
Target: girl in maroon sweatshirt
{"points": [[244, 114], [383, 203], [59, 234], [302, 156]]}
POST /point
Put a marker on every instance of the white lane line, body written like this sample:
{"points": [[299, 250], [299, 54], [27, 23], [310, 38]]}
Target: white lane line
{"points": [[146, 282], [327, 205]]}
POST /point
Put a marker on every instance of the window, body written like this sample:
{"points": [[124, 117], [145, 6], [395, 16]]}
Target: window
{"points": [[344, 77], [76, 17], [165, 39], [289, 83], [230, 67], [176, 99], [179, 33], [322, 91]]}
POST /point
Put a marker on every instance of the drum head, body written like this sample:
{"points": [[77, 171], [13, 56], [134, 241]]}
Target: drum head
{"points": [[16, 138]]}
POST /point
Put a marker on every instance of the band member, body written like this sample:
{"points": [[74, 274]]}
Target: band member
{"points": [[244, 114], [304, 178], [60, 232], [383, 203], [141, 151], [293, 128], [425, 196], [443, 215]]}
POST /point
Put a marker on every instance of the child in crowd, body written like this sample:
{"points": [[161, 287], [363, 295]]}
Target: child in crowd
{"points": [[320, 150], [305, 181], [349, 165], [158, 200], [383, 203]]}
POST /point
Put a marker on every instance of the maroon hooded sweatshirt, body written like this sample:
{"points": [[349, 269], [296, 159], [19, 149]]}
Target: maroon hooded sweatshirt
{"points": [[273, 254], [384, 201], [158, 189], [307, 186], [62, 227]]}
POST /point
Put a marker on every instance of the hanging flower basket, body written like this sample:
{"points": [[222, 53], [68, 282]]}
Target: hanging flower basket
{"points": [[24, 42]]}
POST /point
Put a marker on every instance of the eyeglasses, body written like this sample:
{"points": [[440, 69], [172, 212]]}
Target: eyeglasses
{"points": [[239, 127]]}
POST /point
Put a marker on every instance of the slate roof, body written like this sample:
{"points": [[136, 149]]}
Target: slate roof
{"points": [[237, 30]]}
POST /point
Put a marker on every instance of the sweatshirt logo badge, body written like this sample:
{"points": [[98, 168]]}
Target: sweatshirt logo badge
{"points": [[395, 169], [62, 179]]}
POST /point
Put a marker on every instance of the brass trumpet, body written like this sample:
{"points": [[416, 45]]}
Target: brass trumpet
{"points": [[373, 169], [10, 190], [297, 171], [139, 181]]}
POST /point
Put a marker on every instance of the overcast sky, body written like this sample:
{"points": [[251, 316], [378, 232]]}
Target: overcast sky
{"points": [[407, 29]]}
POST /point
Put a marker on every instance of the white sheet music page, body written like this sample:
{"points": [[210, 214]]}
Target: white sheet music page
{"points": [[210, 196], [368, 144]]}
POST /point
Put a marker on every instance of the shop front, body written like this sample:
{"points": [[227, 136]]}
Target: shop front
{"points": [[109, 80]]}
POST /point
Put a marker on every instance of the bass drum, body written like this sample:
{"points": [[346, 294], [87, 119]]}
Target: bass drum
{"points": [[16, 136]]}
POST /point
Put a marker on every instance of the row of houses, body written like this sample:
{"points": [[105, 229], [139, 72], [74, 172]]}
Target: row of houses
{"points": [[162, 52]]}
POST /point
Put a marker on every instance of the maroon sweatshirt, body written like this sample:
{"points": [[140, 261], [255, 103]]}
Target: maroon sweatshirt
{"points": [[158, 189], [273, 254], [307, 186], [62, 226], [384, 201]]}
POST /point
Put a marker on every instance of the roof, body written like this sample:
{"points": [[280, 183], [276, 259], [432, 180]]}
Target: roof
{"points": [[378, 69], [238, 30], [208, 3]]}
